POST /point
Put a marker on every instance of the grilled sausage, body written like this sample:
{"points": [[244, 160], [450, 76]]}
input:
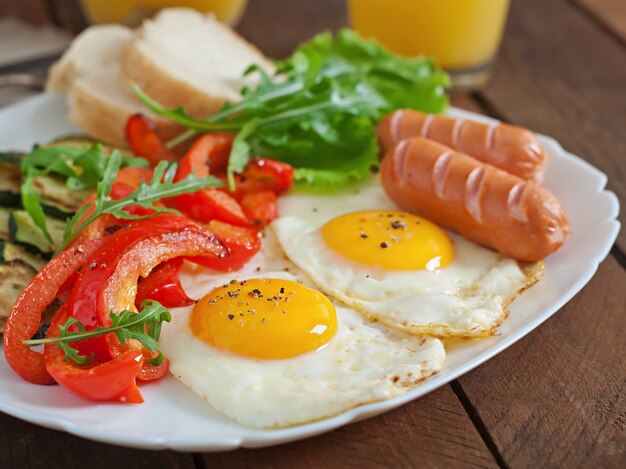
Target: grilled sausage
{"points": [[513, 149], [518, 218]]}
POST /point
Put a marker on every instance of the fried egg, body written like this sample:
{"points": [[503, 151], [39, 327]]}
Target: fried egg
{"points": [[267, 350], [395, 267]]}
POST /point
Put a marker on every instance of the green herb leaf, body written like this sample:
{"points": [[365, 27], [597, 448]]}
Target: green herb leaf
{"points": [[81, 167], [144, 326], [240, 154], [161, 186], [318, 113], [32, 203], [70, 353]]}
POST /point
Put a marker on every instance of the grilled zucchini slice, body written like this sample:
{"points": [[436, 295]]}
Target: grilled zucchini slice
{"points": [[5, 232], [10, 180], [10, 251], [14, 276], [24, 231]]}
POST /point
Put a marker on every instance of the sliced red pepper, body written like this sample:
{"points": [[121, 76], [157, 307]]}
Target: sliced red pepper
{"points": [[211, 204], [260, 206], [209, 154], [133, 176], [114, 380], [25, 316], [270, 174], [144, 140], [127, 180], [163, 285], [82, 304], [242, 243], [117, 293]]}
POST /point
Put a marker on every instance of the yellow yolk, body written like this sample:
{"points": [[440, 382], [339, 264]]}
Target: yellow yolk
{"points": [[390, 239], [264, 318]]}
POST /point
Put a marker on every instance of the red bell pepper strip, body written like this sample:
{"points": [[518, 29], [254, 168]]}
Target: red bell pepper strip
{"points": [[82, 304], [260, 206], [212, 204], [127, 180], [163, 285], [117, 293], [209, 154], [25, 316], [269, 174], [110, 381], [242, 243], [144, 140]]}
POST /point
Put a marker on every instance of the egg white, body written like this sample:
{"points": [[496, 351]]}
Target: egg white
{"points": [[467, 298], [363, 362]]}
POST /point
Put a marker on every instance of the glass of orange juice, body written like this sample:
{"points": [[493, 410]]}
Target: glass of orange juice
{"points": [[462, 35], [133, 12]]}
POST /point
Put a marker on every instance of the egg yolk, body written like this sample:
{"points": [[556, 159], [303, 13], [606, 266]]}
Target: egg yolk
{"points": [[264, 318], [389, 239]]}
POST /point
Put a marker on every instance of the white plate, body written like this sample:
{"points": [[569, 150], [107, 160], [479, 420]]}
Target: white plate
{"points": [[173, 417]]}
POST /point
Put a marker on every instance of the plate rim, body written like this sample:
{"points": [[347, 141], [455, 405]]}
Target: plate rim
{"points": [[281, 436]]}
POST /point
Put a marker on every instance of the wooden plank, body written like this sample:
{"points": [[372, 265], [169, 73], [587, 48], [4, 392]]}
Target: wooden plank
{"points": [[433, 431], [31, 11], [565, 77], [610, 12], [557, 398], [277, 27], [25, 445], [69, 15]]}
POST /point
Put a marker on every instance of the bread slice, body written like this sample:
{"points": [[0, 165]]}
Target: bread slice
{"points": [[96, 50], [99, 103], [185, 58]]}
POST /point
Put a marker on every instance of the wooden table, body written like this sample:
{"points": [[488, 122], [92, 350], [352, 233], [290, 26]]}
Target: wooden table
{"points": [[554, 399]]}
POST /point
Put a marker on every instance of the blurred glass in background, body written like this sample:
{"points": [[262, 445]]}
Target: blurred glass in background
{"points": [[133, 12], [462, 35]]}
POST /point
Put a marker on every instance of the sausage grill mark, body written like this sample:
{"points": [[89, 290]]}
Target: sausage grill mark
{"points": [[440, 171], [428, 122], [399, 158], [472, 193], [456, 133], [490, 138], [396, 119], [514, 202]]}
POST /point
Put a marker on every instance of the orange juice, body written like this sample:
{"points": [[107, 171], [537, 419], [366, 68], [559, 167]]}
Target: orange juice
{"points": [[132, 12], [459, 34]]}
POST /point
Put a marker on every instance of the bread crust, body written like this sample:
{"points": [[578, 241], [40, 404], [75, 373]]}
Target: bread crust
{"points": [[160, 82], [103, 120]]}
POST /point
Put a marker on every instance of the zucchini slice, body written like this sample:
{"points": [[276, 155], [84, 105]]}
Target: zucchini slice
{"points": [[14, 276], [10, 180], [24, 231], [84, 141], [10, 251], [57, 199], [5, 232]]}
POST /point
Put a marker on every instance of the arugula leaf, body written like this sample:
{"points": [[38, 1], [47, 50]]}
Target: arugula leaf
{"points": [[318, 113], [144, 326], [161, 186], [32, 204], [70, 353], [81, 167], [240, 153]]}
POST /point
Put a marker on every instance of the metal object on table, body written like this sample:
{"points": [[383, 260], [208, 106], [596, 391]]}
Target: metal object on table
{"points": [[34, 82]]}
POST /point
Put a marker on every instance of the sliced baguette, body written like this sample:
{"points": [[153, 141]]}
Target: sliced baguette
{"points": [[185, 58], [99, 103]]}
